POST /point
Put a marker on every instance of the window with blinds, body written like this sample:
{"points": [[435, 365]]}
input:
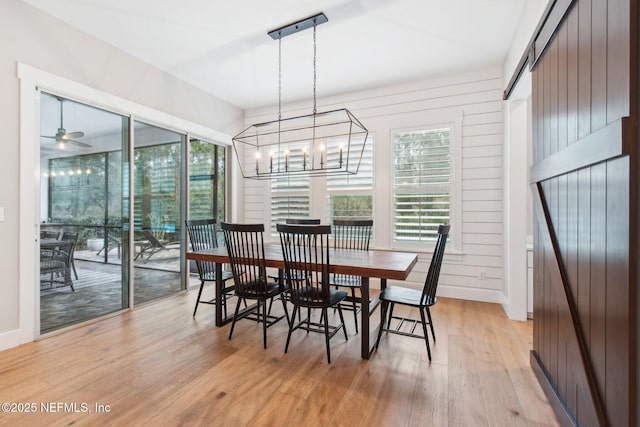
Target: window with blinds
{"points": [[351, 196], [421, 183], [290, 196]]}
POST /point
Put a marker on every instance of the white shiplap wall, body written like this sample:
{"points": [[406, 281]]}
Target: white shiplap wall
{"points": [[473, 269]]}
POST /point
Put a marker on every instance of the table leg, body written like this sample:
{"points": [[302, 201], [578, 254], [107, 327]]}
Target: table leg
{"points": [[219, 294], [364, 323]]}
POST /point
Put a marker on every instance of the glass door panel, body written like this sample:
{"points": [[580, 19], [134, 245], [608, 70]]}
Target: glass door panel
{"points": [[81, 192], [207, 165], [157, 209]]}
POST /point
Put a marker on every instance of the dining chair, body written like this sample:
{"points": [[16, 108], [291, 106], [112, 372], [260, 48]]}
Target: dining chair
{"points": [[203, 234], [305, 249], [351, 235], [422, 300], [245, 246], [302, 221], [298, 221]]}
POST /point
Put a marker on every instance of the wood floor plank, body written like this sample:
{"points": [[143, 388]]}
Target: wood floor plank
{"points": [[158, 365]]}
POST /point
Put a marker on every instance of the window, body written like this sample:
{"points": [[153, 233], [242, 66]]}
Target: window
{"points": [[422, 183], [351, 196], [289, 195], [346, 196]]}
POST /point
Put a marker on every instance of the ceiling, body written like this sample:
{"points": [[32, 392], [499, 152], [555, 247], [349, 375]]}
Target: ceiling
{"points": [[223, 46]]}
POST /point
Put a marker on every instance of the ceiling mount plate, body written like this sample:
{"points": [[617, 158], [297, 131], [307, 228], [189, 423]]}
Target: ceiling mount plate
{"points": [[297, 26]]}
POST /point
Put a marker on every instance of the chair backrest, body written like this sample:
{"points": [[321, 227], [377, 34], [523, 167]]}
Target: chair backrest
{"points": [[203, 234], [302, 221], [71, 237], [50, 234], [245, 246], [352, 234], [431, 282], [305, 249]]}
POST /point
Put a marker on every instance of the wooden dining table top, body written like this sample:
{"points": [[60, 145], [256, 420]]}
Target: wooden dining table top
{"points": [[373, 263]]}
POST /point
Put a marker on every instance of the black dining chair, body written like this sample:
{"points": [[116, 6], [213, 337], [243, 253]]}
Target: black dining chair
{"points": [[203, 234], [422, 300], [305, 250], [294, 221], [245, 246], [351, 235]]}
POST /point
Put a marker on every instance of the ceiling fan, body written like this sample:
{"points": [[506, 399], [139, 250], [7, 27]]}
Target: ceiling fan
{"points": [[62, 137]]}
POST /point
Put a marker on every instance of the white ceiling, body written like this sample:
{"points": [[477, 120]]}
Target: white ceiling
{"points": [[223, 46]]}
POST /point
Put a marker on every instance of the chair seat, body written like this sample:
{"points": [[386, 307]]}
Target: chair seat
{"points": [[307, 296], [211, 276], [406, 296], [347, 281], [257, 290]]}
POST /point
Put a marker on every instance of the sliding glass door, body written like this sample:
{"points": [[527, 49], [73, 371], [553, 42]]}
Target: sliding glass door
{"points": [[92, 180], [158, 216], [83, 269]]}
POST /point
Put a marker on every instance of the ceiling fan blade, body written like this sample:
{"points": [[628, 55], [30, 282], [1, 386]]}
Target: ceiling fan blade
{"points": [[47, 136], [73, 135], [78, 143]]}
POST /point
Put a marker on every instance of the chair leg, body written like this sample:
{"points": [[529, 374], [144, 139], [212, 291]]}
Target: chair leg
{"points": [[284, 306], [326, 333], [390, 315], [235, 315], [433, 334], [344, 327], [293, 316], [309, 318], [73, 265], [264, 321], [383, 315], [224, 303], [355, 308], [198, 299], [426, 335]]}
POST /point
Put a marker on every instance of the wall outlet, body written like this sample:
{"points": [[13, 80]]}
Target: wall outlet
{"points": [[1, 214]]}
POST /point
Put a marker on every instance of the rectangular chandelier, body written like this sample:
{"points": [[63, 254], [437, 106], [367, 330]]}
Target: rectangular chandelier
{"points": [[330, 142], [320, 143]]}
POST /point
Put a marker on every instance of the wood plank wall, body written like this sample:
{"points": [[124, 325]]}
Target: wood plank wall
{"points": [[584, 167], [476, 96]]}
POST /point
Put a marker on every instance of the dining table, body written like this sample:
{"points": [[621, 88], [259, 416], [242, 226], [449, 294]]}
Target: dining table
{"points": [[379, 264]]}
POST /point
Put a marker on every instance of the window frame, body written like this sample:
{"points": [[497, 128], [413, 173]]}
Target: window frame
{"points": [[455, 191]]}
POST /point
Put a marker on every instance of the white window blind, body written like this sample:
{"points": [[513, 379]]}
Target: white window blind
{"points": [[289, 195], [351, 196], [421, 184]]}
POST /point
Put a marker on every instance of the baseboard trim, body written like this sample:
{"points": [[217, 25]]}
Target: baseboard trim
{"points": [[562, 412], [473, 294], [9, 339]]}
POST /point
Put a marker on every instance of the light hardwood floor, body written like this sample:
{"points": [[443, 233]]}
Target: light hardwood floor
{"points": [[160, 366]]}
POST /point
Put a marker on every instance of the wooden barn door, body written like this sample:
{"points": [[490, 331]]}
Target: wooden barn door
{"points": [[584, 181]]}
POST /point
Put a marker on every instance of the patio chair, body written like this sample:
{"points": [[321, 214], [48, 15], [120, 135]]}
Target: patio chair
{"points": [[421, 300], [111, 242], [55, 265], [72, 237], [152, 245]]}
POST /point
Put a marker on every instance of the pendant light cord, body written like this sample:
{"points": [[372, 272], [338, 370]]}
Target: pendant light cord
{"points": [[314, 66], [280, 77]]}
